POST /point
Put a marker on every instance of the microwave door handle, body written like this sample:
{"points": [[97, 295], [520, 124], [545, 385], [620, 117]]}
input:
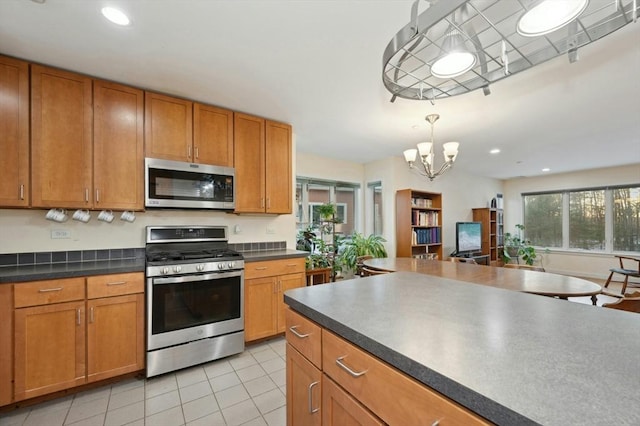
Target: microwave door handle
{"points": [[192, 278]]}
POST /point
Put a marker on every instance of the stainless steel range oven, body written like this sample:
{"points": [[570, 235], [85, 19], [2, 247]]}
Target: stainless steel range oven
{"points": [[195, 297]]}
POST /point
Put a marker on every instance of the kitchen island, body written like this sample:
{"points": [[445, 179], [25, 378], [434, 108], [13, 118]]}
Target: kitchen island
{"points": [[509, 357]]}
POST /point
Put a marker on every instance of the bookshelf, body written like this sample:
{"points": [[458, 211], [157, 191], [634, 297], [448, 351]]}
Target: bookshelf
{"points": [[418, 224], [492, 233]]}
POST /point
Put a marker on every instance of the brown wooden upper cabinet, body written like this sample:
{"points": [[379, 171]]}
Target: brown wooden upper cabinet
{"points": [[263, 165], [118, 146], [61, 138], [87, 142], [14, 137], [180, 130]]}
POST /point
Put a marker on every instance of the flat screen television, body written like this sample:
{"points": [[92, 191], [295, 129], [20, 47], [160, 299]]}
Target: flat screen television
{"points": [[468, 238]]}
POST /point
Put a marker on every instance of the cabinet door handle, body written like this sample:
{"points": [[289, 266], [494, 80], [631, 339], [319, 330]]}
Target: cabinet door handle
{"points": [[97, 195], [188, 151], [91, 315], [78, 319], [197, 152], [268, 202], [296, 333], [86, 195], [347, 369], [311, 409], [47, 290], [117, 283], [22, 191], [262, 202]]}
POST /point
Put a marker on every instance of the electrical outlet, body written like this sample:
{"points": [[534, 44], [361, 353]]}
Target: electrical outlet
{"points": [[60, 234], [271, 229]]}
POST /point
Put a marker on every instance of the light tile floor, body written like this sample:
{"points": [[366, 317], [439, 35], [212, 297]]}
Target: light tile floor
{"points": [[245, 389]]}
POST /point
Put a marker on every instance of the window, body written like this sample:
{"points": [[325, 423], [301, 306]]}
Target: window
{"points": [[375, 190], [597, 219], [311, 193]]}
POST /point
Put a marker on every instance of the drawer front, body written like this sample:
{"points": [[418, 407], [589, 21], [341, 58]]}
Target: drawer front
{"points": [[115, 285], [305, 336], [46, 292], [374, 384], [272, 268]]}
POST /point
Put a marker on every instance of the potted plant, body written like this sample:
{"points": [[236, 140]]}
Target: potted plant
{"points": [[358, 245], [516, 246]]}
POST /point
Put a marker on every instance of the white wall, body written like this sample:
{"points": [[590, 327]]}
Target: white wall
{"points": [[583, 264]]}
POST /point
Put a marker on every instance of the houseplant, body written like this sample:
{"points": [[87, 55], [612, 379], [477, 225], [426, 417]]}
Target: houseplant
{"points": [[358, 245], [516, 246]]}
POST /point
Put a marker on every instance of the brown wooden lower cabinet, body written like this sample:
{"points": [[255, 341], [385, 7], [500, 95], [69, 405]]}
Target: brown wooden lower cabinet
{"points": [[62, 340], [265, 283], [357, 388]]}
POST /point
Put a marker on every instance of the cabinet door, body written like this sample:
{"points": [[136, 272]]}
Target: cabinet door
{"points": [[118, 146], [278, 179], [212, 135], [6, 348], [168, 127], [249, 163], [14, 136], [341, 409], [287, 282], [49, 348], [260, 307], [115, 336], [61, 139], [304, 390]]}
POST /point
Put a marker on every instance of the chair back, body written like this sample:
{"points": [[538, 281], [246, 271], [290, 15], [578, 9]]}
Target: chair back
{"points": [[629, 303], [367, 272], [463, 260], [360, 263], [524, 266]]}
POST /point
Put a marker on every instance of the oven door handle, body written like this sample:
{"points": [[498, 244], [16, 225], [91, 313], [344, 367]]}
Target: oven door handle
{"points": [[198, 277]]}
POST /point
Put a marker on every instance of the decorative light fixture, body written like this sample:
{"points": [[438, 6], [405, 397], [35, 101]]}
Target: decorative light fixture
{"points": [[457, 46], [425, 149], [116, 16], [457, 59], [549, 15]]}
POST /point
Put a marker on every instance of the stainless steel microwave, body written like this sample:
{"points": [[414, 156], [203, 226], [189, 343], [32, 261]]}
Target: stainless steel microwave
{"points": [[176, 184]]}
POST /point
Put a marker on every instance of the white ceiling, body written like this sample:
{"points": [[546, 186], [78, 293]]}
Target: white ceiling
{"points": [[317, 64]]}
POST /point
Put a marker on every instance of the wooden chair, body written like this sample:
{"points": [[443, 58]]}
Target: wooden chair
{"points": [[463, 260], [624, 271], [527, 267], [360, 263], [630, 302], [367, 272]]}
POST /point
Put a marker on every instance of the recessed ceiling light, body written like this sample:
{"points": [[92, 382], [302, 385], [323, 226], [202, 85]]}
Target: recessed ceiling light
{"points": [[116, 16], [546, 169], [494, 151]]}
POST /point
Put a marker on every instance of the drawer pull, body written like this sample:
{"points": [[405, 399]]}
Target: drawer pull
{"points": [[47, 290], [291, 265], [311, 409], [347, 369], [117, 283], [294, 331], [262, 268]]}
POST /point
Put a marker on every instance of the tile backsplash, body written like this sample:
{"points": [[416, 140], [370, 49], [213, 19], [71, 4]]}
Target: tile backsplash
{"points": [[47, 257]]}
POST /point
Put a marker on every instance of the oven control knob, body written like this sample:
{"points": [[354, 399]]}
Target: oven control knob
{"points": [[165, 270], [231, 265], [200, 268], [220, 265], [177, 268]]}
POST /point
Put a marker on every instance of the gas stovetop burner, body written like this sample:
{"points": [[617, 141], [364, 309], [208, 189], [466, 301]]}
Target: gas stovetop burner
{"points": [[204, 254]]}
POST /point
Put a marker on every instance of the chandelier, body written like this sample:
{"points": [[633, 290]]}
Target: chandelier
{"points": [[425, 149], [457, 46]]}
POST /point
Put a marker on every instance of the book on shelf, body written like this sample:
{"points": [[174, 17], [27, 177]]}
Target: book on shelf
{"points": [[425, 236], [428, 256], [419, 218], [421, 202]]}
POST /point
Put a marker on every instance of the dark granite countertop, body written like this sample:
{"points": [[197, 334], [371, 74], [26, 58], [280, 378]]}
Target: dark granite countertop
{"points": [[511, 357], [49, 271], [255, 256]]}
